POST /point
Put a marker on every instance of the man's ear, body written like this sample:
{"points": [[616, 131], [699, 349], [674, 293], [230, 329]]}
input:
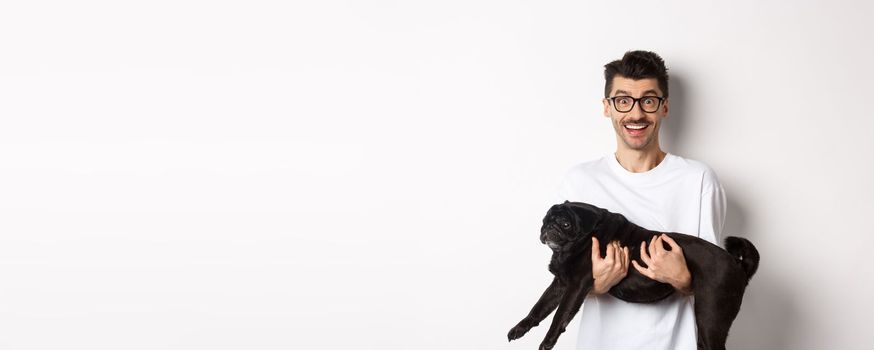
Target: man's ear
{"points": [[665, 106]]}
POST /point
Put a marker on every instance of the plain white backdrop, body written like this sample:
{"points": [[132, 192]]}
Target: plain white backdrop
{"points": [[372, 174]]}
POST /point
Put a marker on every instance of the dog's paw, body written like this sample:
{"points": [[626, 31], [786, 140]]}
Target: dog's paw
{"points": [[518, 331], [545, 346]]}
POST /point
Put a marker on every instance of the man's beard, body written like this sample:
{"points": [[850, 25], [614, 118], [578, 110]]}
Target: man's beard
{"points": [[646, 142]]}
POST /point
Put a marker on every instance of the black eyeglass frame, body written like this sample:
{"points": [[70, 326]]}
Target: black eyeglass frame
{"points": [[637, 102]]}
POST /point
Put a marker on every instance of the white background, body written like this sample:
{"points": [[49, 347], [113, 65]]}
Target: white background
{"points": [[372, 174]]}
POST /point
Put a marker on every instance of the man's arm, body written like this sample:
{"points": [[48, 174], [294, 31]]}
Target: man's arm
{"points": [[712, 213], [670, 266]]}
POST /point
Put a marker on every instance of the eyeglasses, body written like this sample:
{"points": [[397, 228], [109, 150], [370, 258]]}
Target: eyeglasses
{"points": [[625, 104]]}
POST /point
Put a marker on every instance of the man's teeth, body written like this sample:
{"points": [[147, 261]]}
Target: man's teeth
{"points": [[635, 127]]}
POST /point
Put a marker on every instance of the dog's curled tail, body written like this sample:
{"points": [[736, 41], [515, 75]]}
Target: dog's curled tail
{"points": [[745, 252]]}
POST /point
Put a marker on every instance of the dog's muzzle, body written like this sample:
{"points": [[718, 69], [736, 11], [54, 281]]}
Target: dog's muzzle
{"points": [[545, 234]]}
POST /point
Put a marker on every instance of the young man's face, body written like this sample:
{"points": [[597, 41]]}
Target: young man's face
{"points": [[636, 129]]}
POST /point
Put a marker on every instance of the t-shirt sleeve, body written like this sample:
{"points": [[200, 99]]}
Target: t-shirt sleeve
{"points": [[713, 206]]}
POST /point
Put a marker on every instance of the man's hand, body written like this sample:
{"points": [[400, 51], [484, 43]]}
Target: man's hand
{"points": [[608, 271], [667, 266]]}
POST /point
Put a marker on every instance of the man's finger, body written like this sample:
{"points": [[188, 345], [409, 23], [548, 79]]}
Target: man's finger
{"points": [[651, 247], [659, 246], [596, 250], [640, 269], [609, 257], [618, 255], [643, 254], [674, 245], [624, 258]]}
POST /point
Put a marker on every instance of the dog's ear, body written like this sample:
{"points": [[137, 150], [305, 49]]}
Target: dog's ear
{"points": [[566, 202], [587, 216]]}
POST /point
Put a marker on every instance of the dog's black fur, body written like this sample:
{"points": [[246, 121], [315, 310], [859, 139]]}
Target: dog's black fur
{"points": [[719, 277]]}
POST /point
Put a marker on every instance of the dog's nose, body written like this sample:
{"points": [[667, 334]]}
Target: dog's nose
{"points": [[543, 237]]}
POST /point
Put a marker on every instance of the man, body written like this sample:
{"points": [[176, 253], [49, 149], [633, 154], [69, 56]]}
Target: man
{"points": [[656, 190]]}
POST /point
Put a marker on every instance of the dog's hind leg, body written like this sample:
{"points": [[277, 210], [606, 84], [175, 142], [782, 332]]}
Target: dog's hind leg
{"points": [[548, 302], [714, 313]]}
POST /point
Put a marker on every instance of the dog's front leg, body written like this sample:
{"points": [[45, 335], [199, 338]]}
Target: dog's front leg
{"points": [[569, 306], [548, 302]]}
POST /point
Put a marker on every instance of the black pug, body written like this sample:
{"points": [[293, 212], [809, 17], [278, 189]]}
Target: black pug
{"points": [[719, 277]]}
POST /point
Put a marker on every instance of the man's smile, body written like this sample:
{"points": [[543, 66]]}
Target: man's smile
{"points": [[636, 129]]}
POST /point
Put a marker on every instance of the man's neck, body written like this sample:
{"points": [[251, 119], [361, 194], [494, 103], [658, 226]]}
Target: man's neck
{"points": [[639, 161]]}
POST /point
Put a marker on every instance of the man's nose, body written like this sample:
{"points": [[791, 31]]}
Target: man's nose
{"points": [[637, 110]]}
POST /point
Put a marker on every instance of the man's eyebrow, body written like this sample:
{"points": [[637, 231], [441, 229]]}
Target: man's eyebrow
{"points": [[647, 92]]}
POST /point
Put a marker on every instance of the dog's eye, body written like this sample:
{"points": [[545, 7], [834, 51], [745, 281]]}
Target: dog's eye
{"points": [[566, 225]]}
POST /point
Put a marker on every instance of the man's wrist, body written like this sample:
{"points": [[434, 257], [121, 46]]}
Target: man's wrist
{"points": [[684, 284], [595, 290]]}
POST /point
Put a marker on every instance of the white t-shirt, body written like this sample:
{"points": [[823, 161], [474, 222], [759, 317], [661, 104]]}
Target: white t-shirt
{"points": [[678, 195]]}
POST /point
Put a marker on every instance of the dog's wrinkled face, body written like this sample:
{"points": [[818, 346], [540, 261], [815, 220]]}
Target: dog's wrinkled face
{"points": [[568, 222]]}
